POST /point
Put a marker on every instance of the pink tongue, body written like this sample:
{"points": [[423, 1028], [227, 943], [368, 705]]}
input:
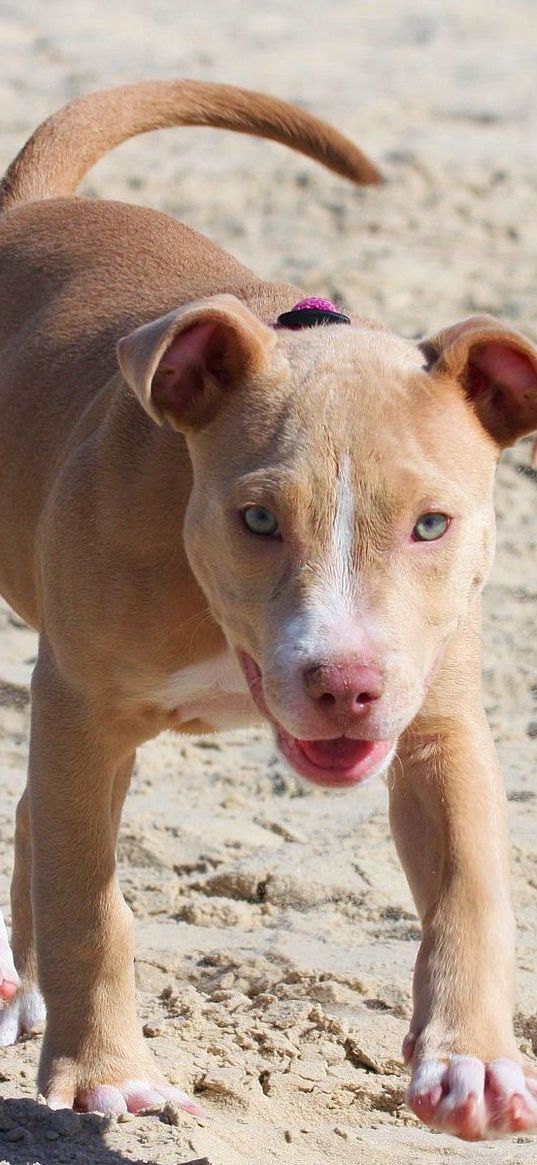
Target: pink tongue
{"points": [[335, 754]]}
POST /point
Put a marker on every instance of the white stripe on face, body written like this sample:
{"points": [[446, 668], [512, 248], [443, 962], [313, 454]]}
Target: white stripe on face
{"points": [[332, 600], [327, 625], [341, 563]]}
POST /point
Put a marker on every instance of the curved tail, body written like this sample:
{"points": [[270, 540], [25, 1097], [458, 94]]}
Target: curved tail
{"points": [[62, 150]]}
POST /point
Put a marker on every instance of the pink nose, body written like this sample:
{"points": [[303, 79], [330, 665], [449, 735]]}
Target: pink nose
{"points": [[344, 688]]}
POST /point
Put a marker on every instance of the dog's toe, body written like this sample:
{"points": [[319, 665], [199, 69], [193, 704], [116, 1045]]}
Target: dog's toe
{"points": [[105, 1099], [10, 1023], [21, 1014], [511, 1097], [135, 1096], [9, 979], [8, 988], [463, 1096]]}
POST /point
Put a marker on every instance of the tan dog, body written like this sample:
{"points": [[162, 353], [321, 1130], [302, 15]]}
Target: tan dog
{"points": [[327, 492]]}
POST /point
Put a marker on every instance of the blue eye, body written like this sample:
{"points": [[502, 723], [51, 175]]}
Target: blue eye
{"points": [[259, 520], [430, 527]]}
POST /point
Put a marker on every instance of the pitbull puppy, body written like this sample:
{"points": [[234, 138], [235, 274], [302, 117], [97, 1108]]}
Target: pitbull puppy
{"points": [[321, 486]]}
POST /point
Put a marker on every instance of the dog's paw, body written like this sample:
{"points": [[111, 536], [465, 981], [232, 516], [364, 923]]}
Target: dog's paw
{"points": [[24, 1012], [21, 1007], [9, 980], [135, 1096], [467, 1098]]}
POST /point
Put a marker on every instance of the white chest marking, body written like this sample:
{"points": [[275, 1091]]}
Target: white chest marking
{"points": [[214, 691]]}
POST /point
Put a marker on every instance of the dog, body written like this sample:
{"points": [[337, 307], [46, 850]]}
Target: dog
{"points": [[179, 435]]}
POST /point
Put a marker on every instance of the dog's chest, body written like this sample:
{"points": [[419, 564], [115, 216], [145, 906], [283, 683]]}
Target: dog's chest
{"points": [[214, 691]]}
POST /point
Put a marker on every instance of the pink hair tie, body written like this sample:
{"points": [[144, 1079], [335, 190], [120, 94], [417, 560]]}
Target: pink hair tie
{"points": [[310, 312]]}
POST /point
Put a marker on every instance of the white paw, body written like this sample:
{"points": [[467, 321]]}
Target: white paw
{"points": [[21, 1016], [132, 1096], [9, 980], [463, 1096], [21, 1007]]}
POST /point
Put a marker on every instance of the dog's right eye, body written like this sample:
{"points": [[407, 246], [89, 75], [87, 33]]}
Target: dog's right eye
{"points": [[430, 527], [259, 520]]}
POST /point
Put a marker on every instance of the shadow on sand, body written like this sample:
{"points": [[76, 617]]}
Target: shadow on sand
{"points": [[31, 1133]]}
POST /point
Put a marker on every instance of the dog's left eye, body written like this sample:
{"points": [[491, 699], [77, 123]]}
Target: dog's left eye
{"points": [[259, 520], [430, 527]]}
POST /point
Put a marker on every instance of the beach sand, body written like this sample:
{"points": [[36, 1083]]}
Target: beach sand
{"points": [[275, 933]]}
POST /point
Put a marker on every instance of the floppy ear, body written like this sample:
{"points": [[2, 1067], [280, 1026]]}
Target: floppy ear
{"points": [[181, 365], [497, 369]]}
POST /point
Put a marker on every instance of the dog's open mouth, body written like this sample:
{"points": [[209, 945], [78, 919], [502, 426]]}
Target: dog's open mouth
{"points": [[336, 763]]}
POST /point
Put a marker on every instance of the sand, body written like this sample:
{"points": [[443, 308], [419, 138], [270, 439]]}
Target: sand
{"points": [[275, 933]]}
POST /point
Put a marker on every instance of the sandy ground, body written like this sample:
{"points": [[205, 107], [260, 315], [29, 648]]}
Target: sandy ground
{"points": [[276, 935]]}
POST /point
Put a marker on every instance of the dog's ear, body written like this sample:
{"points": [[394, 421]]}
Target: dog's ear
{"points": [[182, 364], [497, 369]]}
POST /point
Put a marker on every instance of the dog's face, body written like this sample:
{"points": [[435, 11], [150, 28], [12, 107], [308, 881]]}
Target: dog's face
{"points": [[341, 520]]}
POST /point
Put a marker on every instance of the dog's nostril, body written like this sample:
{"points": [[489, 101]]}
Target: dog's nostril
{"points": [[345, 688]]}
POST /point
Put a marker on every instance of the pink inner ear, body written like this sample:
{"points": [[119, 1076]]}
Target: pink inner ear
{"points": [[189, 347], [179, 376], [500, 364]]}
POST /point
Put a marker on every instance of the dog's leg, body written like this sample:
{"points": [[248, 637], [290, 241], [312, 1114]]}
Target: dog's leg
{"points": [[9, 984], [25, 1009], [448, 816], [94, 1055]]}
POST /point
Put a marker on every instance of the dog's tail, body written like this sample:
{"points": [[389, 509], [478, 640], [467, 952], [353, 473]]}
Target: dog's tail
{"points": [[62, 150]]}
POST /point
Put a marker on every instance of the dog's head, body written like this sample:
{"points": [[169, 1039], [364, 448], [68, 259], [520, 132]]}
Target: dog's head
{"points": [[341, 520]]}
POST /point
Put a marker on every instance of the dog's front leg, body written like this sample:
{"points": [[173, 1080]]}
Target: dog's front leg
{"points": [[448, 816], [94, 1055]]}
